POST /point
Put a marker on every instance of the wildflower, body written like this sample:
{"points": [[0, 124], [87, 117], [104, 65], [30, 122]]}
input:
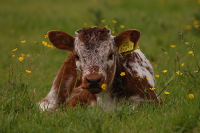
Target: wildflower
{"points": [[106, 26], [50, 46], [21, 59], [179, 73], [45, 36], [148, 78], [157, 76], [13, 55], [35, 42], [191, 96], [196, 26], [186, 43], [27, 71], [114, 21], [173, 46], [188, 27], [44, 43], [166, 92], [103, 21], [14, 49], [152, 89], [104, 86], [28, 55], [113, 31], [196, 22], [182, 64], [122, 26], [23, 41], [164, 71], [190, 52], [84, 24], [137, 76], [183, 83], [196, 71], [22, 54], [122, 74], [165, 52]]}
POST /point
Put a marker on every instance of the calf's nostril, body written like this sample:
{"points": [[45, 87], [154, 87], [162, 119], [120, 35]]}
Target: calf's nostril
{"points": [[93, 80]]}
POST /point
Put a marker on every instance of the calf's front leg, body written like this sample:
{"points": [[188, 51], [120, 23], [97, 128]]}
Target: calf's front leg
{"points": [[62, 86]]}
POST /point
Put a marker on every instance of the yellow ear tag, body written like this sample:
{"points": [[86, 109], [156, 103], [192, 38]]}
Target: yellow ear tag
{"points": [[127, 47]]}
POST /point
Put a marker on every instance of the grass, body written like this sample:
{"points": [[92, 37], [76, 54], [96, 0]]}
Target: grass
{"points": [[162, 24]]}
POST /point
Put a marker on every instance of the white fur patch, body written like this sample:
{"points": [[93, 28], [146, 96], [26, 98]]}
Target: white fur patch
{"points": [[50, 102], [96, 56], [141, 68]]}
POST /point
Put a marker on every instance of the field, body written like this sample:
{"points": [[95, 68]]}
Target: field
{"points": [[170, 39]]}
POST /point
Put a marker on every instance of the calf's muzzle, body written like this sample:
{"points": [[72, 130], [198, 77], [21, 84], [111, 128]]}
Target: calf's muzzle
{"points": [[94, 82]]}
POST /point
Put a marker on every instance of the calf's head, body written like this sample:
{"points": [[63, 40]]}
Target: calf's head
{"points": [[95, 51]]}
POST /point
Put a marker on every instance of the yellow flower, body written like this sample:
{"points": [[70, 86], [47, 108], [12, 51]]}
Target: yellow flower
{"points": [[186, 43], [84, 24], [23, 41], [28, 55], [164, 71], [191, 96], [182, 64], [27, 71], [183, 83], [196, 22], [103, 21], [104, 86], [188, 27], [13, 55], [173, 46], [152, 89], [165, 52], [122, 26], [148, 78], [114, 21], [196, 71], [113, 31], [50, 46], [166, 92], [122, 74], [22, 54], [179, 73], [106, 26], [45, 36], [21, 59], [14, 49], [190, 52], [157, 76], [196, 26], [137, 76], [44, 43]]}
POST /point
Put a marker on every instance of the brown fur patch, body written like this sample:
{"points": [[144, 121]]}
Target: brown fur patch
{"points": [[133, 35], [87, 35]]}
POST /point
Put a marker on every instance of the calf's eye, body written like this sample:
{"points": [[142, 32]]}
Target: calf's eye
{"points": [[77, 57], [110, 57]]}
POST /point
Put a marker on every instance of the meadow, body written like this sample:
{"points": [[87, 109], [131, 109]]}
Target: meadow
{"points": [[170, 39]]}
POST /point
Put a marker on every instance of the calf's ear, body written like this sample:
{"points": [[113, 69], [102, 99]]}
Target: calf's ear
{"points": [[61, 40], [127, 41]]}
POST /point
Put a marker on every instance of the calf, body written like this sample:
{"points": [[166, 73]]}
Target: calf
{"points": [[101, 69]]}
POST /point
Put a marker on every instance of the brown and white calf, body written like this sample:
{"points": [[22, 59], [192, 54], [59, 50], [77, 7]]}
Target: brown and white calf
{"points": [[95, 61]]}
